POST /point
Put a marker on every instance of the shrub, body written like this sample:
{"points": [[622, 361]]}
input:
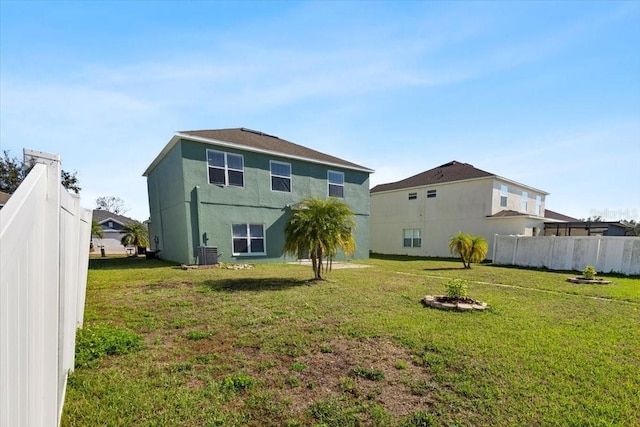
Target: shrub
{"points": [[456, 288], [96, 341], [589, 272]]}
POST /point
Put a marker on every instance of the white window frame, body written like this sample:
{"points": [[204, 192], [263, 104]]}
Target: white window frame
{"points": [[416, 236], [329, 183], [249, 238], [504, 194], [538, 205], [226, 168], [272, 162], [432, 194], [525, 201], [413, 196]]}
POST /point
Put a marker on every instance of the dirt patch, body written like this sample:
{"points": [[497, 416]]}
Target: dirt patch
{"points": [[401, 388]]}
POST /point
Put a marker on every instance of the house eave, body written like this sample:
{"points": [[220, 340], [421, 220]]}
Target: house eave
{"points": [[179, 136]]}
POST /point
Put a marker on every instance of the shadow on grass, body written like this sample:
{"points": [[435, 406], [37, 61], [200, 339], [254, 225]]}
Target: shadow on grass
{"points": [[127, 263], [568, 272], [255, 284], [445, 269]]}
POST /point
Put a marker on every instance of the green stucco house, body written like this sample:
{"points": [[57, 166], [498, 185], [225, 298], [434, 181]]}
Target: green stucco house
{"points": [[234, 189]]}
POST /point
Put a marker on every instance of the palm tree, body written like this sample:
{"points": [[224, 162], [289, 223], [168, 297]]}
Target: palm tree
{"points": [[320, 227], [135, 234], [470, 248], [96, 230]]}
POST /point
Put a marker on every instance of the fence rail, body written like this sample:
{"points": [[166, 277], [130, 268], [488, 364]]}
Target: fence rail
{"points": [[607, 254], [44, 250]]}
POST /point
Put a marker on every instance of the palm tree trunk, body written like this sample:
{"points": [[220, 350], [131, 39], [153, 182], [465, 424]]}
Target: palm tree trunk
{"points": [[319, 256]]}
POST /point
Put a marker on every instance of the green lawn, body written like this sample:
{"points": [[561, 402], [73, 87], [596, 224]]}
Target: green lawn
{"points": [[265, 346]]}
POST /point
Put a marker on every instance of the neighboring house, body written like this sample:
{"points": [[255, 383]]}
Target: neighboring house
{"points": [[418, 215], [112, 225], [590, 228], [234, 189], [4, 198]]}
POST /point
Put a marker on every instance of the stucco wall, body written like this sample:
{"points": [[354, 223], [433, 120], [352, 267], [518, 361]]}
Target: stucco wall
{"points": [[206, 212]]}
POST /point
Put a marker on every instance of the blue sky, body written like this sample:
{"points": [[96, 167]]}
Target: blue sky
{"points": [[543, 93]]}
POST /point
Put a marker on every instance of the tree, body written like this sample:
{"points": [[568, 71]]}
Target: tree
{"points": [[320, 227], [469, 248], [97, 231], [13, 171], [111, 204], [135, 234]]}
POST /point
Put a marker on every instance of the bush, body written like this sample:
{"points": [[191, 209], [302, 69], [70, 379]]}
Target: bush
{"points": [[589, 272], [456, 288], [96, 341]]}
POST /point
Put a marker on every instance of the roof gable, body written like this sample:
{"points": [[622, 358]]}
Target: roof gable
{"points": [[449, 172], [101, 215], [256, 141]]}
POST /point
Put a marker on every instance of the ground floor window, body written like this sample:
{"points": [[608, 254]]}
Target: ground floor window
{"points": [[412, 238], [248, 239]]}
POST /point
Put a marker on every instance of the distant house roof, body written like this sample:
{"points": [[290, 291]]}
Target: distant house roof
{"points": [[101, 215], [256, 141], [507, 213], [558, 216], [452, 171], [448, 172]]}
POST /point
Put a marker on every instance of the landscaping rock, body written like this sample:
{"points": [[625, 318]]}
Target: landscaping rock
{"points": [[443, 302]]}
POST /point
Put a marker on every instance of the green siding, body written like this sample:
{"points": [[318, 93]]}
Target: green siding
{"points": [[208, 211]]}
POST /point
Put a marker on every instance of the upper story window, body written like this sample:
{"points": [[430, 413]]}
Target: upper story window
{"points": [[336, 184], [280, 176], [504, 191], [538, 205], [525, 199], [248, 239], [413, 196], [110, 224], [225, 168], [431, 194]]}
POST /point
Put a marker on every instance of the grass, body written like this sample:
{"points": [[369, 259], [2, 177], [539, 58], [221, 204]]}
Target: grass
{"points": [[266, 346]]}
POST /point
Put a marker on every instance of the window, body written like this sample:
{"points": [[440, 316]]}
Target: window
{"points": [[413, 196], [412, 238], [336, 184], [538, 205], [525, 196], [225, 168], [503, 195], [248, 239], [431, 194], [110, 224], [280, 176]]}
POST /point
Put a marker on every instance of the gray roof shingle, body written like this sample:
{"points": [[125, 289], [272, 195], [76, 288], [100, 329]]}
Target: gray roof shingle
{"points": [[449, 172], [261, 141]]}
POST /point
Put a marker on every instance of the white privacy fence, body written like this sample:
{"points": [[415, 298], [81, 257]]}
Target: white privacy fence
{"points": [[606, 254], [44, 251]]}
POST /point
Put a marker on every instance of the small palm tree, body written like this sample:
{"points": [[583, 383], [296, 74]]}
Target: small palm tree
{"points": [[469, 248], [320, 227], [135, 234], [97, 231]]}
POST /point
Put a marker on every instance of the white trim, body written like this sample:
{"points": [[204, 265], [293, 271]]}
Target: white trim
{"points": [[264, 239], [290, 177], [329, 184], [492, 177], [178, 136], [226, 168]]}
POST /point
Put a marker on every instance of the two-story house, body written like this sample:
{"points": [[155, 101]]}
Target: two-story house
{"points": [[234, 189], [417, 215]]}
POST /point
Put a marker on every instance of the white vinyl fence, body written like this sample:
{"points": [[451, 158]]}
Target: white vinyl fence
{"points": [[606, 254], [44, 251]]}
